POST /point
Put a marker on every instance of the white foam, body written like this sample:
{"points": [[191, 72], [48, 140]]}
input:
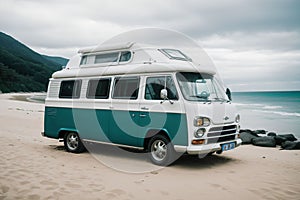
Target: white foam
{"points": [[250, 104], [272, 107], [280, 113]]}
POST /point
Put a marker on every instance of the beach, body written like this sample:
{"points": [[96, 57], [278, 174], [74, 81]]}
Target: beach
{"points": [[34, 167]]}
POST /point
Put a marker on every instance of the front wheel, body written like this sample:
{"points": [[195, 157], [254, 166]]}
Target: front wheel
{"points": [[161, 151], [73, 143]]}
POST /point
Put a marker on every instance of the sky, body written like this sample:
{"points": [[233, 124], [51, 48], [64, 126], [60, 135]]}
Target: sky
{"points": [[255, 44]]}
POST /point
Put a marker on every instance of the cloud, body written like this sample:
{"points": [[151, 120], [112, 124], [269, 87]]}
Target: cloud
{"points": [[249, 40], [73, 22], [53, 24], [277, 41], [255, 68]]}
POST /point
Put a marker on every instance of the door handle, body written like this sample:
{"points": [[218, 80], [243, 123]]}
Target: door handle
{"points": [[144, 108], [142, 115]]}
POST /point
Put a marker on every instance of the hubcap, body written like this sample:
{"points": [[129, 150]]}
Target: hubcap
{"points": [[159, 150], [72, 141]]}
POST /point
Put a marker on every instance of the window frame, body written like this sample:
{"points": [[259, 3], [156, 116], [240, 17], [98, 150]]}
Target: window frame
{"points": [[161, 76], [90, 59], [83, 60], [88, 96], [168, 53], [75, 94], [116, 56], [120, 56], [138, 78]]}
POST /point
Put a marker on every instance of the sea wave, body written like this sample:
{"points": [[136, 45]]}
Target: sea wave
{"points": [[262, 106], [249, 104], [294, 114], [272, 107]]}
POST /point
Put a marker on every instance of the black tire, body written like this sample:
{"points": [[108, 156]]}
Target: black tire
{"points": [[73, 143], [161, 151]]}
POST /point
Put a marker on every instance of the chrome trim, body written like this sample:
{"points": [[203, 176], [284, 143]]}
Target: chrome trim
{"points": [[222, 130], [219, 136], [222, 123], [113, 144], [180, 149]]}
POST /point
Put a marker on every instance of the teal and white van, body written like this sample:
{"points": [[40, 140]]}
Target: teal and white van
{"points": [[149, 98]]}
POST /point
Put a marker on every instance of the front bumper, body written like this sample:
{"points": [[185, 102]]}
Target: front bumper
{"points": [[206, 148]]}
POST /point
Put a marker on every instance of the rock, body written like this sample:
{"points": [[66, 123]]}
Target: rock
{"points": [[279, 140], [289, 145], [264, 141], [259, 132], [288, 137], [283, 138], [247, 136], [249, 131], [271, 134], [246, 130]]}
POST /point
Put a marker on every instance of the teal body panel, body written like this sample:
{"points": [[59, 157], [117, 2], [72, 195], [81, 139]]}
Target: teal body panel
{"points": [[115, 126]]}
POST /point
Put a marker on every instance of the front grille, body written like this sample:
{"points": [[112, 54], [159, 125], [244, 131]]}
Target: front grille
{"points": [[220, 139], [221, 134], [220, 131]]}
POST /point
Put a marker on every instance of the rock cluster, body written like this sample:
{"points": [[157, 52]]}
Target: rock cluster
{"points": [[269, 139]]}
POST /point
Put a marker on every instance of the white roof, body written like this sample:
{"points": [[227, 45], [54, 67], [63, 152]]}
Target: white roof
{"points": [[145, 59]]}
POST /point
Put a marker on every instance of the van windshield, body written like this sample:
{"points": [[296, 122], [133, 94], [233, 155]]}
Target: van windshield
{"points": [[200, 87]]}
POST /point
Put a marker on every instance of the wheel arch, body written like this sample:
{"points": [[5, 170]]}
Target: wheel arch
{"points": [[153, 132], [63, 131]]}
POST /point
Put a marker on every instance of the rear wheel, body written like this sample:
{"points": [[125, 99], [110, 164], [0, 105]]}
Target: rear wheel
{"points": [[73, 143], [161, 151]]}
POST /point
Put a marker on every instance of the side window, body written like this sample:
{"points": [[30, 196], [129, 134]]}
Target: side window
{"points": [[98, 89], [125, 56], [155, 84], [107, 58], [70, 89], [126, 88], [83, 60]]}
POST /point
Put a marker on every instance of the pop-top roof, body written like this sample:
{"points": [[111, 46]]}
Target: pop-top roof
{"points": [[101, 48], [143, 59]]}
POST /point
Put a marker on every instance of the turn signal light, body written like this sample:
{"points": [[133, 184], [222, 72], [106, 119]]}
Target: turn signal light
{"points": [[197, 142]]}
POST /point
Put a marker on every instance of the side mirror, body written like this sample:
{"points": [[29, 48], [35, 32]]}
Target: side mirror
{"points": [[164, 94], [228, 93]]}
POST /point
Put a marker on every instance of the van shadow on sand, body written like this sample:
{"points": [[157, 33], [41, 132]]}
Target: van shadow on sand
{"points": [[57, 147], [103, 152], [208, 161]]}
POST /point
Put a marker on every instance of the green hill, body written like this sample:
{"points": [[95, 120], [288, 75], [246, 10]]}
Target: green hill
{"points": [[59, 60], [22, 69]]}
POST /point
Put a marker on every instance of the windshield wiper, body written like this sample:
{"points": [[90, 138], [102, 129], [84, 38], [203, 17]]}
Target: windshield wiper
{"points": [[221, 99], [200, 97]]}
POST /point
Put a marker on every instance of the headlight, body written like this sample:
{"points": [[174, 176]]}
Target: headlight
{"points": [[199, 133], [237, 119], [201, 121]]}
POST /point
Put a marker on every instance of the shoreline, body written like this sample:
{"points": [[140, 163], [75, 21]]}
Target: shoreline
{"points": [[37, 97], [33, 167]]}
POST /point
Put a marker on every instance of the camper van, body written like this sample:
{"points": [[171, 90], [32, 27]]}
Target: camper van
{"points": [[155, 99]]}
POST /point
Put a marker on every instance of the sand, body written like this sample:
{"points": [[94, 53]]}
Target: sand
{"points": [[34, 167]]}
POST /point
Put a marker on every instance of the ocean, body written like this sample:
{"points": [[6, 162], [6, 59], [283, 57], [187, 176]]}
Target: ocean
{"points": [[278, 112]]}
